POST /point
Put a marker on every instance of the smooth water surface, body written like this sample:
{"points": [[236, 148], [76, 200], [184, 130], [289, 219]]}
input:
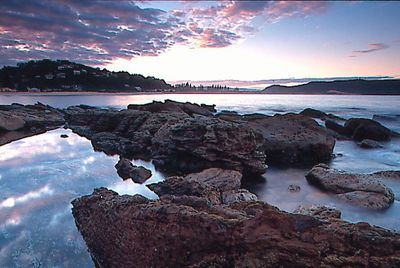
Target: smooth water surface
{"points": [[39, 177]]}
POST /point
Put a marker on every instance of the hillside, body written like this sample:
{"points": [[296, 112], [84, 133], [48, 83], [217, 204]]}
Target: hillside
{"points": [[63, 75], [357, 86]]}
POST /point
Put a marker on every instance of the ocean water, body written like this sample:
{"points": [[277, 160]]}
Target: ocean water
{"points": [[40, 175]]}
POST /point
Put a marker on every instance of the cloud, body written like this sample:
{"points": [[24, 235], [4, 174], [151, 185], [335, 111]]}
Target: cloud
{"points": [[372, 48], [98, 32]]}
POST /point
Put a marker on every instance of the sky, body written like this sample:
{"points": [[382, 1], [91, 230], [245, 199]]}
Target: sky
{"points": [[213, 40]]}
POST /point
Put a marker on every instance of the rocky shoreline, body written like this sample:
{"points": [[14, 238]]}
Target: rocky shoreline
{"points": [[203, 218]]}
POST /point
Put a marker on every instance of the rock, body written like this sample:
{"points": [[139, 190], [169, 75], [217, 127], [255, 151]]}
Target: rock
{"points": [[318, 114], [174, 106], [365, 190], [333, 125], [321, 212], [9, 122], [126, 170], [369, 144], [222, 179], [218, 186], [294, 188], [188, 231], [360, 129], [178, 142], [293, 139], [194, 144], [231, 197], [19, 121], [64, 136]]}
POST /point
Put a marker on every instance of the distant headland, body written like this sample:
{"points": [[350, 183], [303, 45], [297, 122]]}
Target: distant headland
{"points": [[66, 76]]}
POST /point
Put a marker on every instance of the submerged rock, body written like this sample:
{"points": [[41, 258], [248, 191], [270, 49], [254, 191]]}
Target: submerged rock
{"points": [[126, 170], [294, 188], [364, 190], [189, 231], [369, 144]]}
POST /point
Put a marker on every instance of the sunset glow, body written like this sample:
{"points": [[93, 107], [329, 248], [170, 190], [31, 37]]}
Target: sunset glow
{"points": [[183, 40]]}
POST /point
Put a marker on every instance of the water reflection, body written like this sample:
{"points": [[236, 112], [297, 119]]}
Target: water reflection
{"points": [[39, 176], [354, 159]]}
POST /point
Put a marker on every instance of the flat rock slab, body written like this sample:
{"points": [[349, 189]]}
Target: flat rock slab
{"points": [[366, 190], [19, 121]]}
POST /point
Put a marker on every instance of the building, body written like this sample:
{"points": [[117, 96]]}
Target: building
{"points": [[77, 72]]}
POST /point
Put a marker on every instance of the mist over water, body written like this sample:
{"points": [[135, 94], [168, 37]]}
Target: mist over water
{"points": [[40, 175]]}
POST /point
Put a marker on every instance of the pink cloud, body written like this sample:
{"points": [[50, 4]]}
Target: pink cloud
{"points": [[372, 48]]}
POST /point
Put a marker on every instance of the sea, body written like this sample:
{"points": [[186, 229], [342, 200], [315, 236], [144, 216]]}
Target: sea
{"points": [[42, 174]]}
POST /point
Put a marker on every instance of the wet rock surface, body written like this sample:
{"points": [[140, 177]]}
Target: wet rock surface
{"points": [[320, 115], [19, 121], [321, 212], [366, 190], [360, 129], [178, 142], [369, 144], [185, 137], [293, 139], [126, 170], [186, 229]]}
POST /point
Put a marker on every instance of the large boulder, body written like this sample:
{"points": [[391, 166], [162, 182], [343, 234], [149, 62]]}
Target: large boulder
{"points": [[366, 190], [178, 142], [293, 139], [189, 231], [361, 129], [194, 144]]}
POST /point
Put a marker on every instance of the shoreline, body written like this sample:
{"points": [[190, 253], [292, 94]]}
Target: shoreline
{"points": [[90, 93]]}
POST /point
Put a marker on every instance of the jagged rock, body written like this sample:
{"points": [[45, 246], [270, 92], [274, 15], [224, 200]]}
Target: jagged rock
{"points": [[126, 170], [293, 139], [365, 190], [369, 144], [194, 144], [294, 188], [321, 212], [19, 121], [188, 231], [174, 106], [178, 142], [218, 186]]}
